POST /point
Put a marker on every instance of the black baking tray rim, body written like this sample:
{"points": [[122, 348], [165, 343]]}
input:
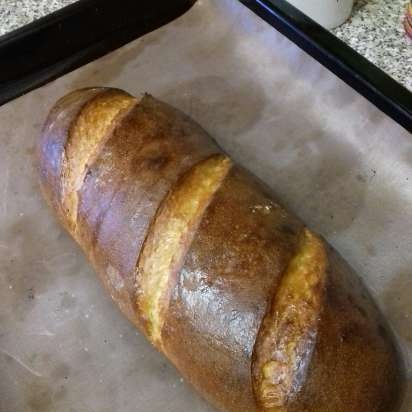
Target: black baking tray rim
{"points": [[88, 29], [382, 90], [75, 35]]}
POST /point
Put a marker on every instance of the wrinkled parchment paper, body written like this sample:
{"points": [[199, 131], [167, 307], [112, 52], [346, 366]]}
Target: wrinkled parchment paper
{"points": [[334, 159]]}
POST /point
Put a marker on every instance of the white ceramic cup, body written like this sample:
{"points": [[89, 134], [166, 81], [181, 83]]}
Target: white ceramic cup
{"points": [[328, 13]]}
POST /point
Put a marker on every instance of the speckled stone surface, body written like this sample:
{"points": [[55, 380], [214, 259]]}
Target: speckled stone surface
{"points": [[376, 31], [17, 13]]}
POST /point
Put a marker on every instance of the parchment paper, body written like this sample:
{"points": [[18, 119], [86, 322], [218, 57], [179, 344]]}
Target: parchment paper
{"points": [[333, 158]]}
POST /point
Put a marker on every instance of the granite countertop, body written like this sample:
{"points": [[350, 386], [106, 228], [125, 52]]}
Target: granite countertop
{"points": [[375, 30], [17, 13]]}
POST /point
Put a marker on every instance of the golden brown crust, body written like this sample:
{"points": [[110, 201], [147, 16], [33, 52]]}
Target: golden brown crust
{"points": [[169, 238], [355, 366], [287, 336], [86, 137], [140, 162], [240, 250], [233, 270], [53, 141]]}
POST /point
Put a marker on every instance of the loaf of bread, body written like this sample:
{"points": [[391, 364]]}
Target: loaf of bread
{"points": [[252, 308]]}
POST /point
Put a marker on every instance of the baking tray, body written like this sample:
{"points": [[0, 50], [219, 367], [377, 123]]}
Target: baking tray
{"points": [[332, 157], [81, 32], [381, 89], [75, 35]]}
